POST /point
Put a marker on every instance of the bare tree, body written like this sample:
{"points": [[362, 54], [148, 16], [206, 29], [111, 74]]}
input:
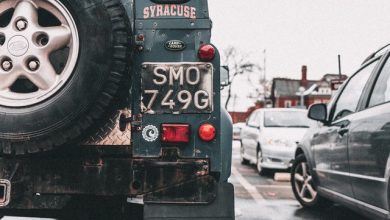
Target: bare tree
{"points": [[238, 63]]}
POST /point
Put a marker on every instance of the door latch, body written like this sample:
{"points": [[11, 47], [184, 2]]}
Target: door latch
{"points": [[135, 122]]}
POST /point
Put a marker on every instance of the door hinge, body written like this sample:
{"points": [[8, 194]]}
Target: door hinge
{"points": [[135, 122]]}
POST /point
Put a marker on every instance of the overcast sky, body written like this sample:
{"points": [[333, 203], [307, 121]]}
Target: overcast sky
{"points": [[297, 32]]}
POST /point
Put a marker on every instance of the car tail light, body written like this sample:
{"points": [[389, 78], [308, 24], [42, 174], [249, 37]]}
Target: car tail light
{"points": [[175, 133], [207, 132], [206, 52]]}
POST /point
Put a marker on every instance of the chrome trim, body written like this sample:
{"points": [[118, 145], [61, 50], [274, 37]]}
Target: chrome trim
{"points": [[383, 211], [351, 175]]}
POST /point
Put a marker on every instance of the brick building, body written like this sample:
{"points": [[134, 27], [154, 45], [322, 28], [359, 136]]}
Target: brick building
{"points": [[285, 92], [242, 116]]}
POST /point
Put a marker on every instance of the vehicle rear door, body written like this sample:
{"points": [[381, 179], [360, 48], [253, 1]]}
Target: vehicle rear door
{"points": [[369, 138], [330, 144], [172, 85]]}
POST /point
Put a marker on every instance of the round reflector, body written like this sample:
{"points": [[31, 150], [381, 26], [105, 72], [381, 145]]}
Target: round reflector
{"points": [[206, 52], [207, 132]]}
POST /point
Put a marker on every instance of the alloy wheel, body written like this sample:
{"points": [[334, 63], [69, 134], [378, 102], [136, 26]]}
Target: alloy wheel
{"points": [[304, 183], [39, 47]]}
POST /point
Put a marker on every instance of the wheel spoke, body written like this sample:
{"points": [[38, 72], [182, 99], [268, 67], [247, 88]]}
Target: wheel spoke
{"points": [[6, 80], [312, 192], [304, 169], [299, 177], [45, 77], [303, 190], [25, 9], [59, 37]]}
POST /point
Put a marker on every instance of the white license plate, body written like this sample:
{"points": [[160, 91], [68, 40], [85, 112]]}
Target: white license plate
{"points": [[177, 88]]}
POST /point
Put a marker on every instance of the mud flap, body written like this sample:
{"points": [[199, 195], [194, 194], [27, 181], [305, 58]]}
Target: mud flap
{"points": [[221, 208]]}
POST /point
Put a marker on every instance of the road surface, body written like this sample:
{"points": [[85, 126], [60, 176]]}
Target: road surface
{"points": [[263, 198]]}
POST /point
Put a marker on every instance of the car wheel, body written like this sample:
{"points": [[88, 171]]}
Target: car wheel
{"points": [[243, 160], [63, 67], [259, 158], [303, 186]]}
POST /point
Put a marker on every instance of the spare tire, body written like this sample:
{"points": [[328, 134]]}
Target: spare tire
{"points": [[63, 64]]}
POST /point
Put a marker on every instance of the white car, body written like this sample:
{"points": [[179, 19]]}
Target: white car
{"points": [[270, 137], [237, 130]]}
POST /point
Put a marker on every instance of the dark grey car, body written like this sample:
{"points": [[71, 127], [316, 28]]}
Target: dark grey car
{"points": [[346, 157]]}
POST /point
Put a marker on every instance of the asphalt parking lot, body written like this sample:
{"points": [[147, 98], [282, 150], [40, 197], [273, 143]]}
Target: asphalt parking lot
{"points": [[263, 198]]}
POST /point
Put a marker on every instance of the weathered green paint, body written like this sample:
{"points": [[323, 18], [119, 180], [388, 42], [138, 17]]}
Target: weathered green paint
{"points": [[193, 32]]}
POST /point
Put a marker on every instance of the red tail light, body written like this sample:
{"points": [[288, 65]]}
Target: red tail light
{"points": [[207, 132], [206, 52], [175, 133]]}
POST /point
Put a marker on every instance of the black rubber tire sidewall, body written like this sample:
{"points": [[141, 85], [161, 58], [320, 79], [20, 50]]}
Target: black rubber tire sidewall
{"points": [[90, 93]]}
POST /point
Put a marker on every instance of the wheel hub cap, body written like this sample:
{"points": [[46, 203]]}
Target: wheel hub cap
{"points": [[18, 46]]}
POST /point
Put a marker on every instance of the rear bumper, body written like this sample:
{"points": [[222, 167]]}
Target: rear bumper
{"points": [[46, 183]]}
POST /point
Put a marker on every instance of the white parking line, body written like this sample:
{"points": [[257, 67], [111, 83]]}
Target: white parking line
{"points": [[247, 186]]}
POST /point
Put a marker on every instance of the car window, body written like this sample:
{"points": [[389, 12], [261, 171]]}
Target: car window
{"points": [[381, 92], [288, 119], [253, 121], [349, 98]]}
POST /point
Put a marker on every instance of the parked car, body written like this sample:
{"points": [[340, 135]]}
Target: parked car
{"points": [[237, 131], [346, 158], [270, 137]]}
